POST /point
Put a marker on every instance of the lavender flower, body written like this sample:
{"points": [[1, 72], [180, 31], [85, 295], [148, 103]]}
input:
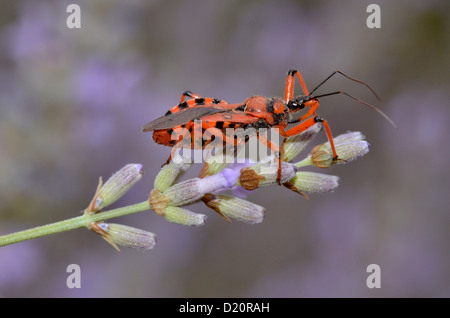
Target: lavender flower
{"points": [[167, 198]]}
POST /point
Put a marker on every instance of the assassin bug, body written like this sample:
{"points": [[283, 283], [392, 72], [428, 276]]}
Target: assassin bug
{"points": [[255, 112]]}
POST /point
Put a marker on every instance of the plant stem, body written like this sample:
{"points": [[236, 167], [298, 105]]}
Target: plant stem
{"points": [[71, 224], [305, 162]]}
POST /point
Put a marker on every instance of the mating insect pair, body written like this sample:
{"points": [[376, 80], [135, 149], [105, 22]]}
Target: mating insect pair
{"points": [[203, 113]]}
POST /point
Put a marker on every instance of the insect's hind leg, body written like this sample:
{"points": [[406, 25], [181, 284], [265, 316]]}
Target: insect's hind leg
{"points": [[301, 127], [188, 94], [183, 140], [276, 151], [194, 100]]}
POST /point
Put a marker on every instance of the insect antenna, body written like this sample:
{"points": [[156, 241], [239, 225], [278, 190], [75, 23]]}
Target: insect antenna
{"points": [[363, 103], [356, 99], [350, 78]]}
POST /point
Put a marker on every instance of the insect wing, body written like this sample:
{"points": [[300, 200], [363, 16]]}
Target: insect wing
{"points": [[180, 117], [231, 117]]}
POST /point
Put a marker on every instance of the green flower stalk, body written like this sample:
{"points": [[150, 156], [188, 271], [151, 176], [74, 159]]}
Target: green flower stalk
{"points": [[106, 194]]}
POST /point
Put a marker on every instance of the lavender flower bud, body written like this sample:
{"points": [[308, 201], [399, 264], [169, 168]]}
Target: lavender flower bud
{"points": [[313, 182], [349, 146], [239, 209], [116, 186], [184, 192], [193, 189], [128, 236], [184, 217], [260, 175], [169, 173]]}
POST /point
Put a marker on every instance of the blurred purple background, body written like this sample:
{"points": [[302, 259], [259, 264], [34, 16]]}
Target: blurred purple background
{"points": [[73, 102]]}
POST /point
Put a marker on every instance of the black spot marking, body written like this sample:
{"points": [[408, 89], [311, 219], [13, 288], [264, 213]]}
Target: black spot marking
{"points": [[259, 124], [169, 112], [183, 105], [216, 101], [170, 131], [269, 105], [292, 72], [219, 124], [277, 118], [200, 101], [318, 119], [231, 125], [241, 108]]}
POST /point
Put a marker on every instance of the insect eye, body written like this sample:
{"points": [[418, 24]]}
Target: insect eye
{"points": [[296, 104], [292, 105]]}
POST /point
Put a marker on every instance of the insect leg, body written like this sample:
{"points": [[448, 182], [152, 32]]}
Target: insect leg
{"points": [[274, 148], [307, 124], [196, 100], [183, 133], [289, 88], [217, 132], [188, 94]]}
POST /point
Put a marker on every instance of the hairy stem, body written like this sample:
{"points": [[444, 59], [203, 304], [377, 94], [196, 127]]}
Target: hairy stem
{"points": [[71, 224]]}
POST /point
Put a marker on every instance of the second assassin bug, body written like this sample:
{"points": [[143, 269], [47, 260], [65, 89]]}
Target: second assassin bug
{"points": [[195, 113]]}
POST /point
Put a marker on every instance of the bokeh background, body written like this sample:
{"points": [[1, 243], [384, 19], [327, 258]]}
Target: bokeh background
{"points": [[73, 101]]}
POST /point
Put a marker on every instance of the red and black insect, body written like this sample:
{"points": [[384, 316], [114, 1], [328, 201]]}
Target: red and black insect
{"points": [[201, 113]]}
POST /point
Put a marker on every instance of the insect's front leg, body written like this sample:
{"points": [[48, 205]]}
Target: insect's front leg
{"points": [[289, 88]]}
